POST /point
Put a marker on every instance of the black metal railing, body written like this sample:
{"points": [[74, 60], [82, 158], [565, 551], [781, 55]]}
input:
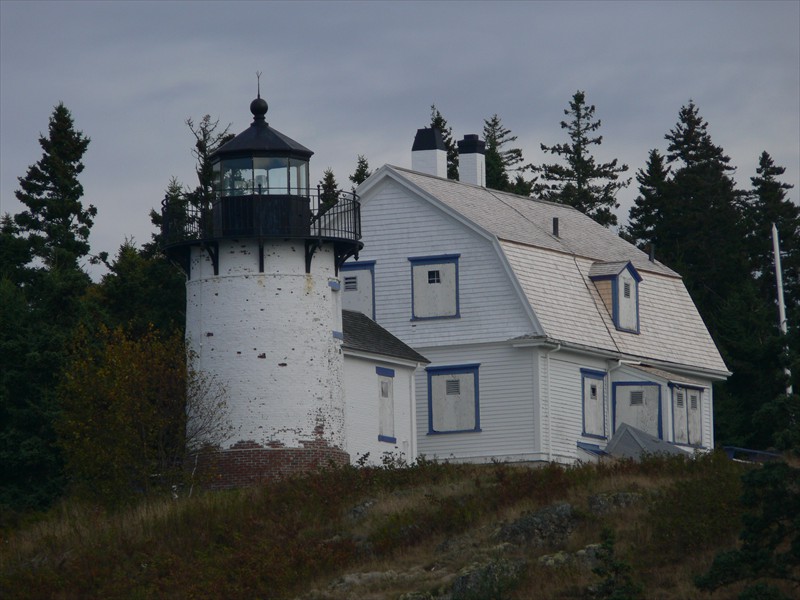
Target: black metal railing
{"points": [[328, 215]]}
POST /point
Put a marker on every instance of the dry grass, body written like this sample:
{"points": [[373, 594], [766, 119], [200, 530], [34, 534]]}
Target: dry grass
{"points": [[416, 529]]}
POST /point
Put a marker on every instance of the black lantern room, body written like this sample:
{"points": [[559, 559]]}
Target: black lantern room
{"points": [[261, 190]]}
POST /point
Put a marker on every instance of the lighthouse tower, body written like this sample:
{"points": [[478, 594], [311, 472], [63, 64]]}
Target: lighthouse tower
{"points": [[263, 310]]}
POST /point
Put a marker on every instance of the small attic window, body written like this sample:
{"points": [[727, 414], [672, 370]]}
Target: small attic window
{"points": [[637, 397], [434, 276], [351, 284]]}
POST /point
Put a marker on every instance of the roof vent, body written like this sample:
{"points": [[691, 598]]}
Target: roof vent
{"points": [[652, 253], [555, 226]]}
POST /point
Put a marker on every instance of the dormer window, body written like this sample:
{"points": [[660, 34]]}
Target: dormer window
{"points": [[618, 286]]}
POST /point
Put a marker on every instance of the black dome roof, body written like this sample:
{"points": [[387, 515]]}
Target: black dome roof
{"points": [[261, 140]]}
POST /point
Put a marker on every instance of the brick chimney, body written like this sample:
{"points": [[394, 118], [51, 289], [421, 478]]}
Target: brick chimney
{"points": [[472, 160], [428, 154]]}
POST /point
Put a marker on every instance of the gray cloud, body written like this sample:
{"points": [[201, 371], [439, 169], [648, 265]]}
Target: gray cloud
{"points": [[349, 78]]}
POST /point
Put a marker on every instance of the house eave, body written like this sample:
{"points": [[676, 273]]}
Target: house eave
{"points": [[382, 357], [550, 343]]}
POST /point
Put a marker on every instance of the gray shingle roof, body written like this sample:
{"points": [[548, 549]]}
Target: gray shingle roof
{"points": [[529, 221], [363, 334], [569, 307]]}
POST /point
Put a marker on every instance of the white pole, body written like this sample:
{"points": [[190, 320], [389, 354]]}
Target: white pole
{"points": [[776, 250]]}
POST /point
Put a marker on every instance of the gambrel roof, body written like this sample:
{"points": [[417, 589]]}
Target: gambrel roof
{"points": [[553, 274]]}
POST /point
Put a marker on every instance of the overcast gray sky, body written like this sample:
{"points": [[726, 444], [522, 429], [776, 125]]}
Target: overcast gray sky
{"points": [[349, 78]]}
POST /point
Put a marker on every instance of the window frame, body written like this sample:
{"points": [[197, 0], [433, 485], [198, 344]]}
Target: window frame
{"points": [[430, 261], [386, 374], [687, 391], [587, 376], [366, 266], [464, 369], [616, 388]]}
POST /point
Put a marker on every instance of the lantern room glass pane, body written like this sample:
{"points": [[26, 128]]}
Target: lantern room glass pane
{"points": [[216, 182], [237, 177], [271, 174], [298, 177]]}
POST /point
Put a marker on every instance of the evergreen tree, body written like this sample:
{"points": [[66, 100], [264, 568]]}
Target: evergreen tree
{"points": [[768, 556], [581, 182], [208, 139], [56, 225], [43, 299], [645, 214], [362, 171], [438, 122], [702, 228], [769, 204], [141, 291], [328, 192], [501, 161]]}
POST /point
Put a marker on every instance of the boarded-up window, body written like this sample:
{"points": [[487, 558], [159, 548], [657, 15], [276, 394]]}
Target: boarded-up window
{"points": [[638, 405], [453, 399], [385, 405], [695, 419], [434, 287], [359, 287], [594, 419], [687, 422]]}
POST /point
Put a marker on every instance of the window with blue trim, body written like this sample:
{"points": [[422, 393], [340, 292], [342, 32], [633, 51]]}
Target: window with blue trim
{"points": [[434, 287], [637, 403], [358, 280], [453, 399], [687, 423], [594, 414], [386, 405]]}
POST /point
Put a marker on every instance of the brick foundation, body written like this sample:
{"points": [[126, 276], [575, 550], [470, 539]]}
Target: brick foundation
{"points": [[248, 463]]}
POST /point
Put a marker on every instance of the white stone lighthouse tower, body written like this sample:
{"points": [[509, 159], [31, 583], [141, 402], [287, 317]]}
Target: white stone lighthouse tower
{"points": [[263, 312]]}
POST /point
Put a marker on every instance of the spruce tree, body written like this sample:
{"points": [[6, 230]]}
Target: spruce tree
{"points": [[362, 171], [56, 224], [208, 138], [439, 122], [702, 227], [43, 299], [328, 192], [769, 204], [645, 214], [581, 182], [502, 162]]}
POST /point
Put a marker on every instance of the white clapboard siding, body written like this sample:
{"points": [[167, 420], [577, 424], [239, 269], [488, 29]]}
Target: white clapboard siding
{"points": [[506, 395], [398, 225]]}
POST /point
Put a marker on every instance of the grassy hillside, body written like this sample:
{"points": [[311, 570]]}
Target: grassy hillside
{"points": [[429, 531]]}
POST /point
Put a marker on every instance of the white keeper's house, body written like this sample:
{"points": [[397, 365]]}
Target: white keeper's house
{"points": [[546, 332]]}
